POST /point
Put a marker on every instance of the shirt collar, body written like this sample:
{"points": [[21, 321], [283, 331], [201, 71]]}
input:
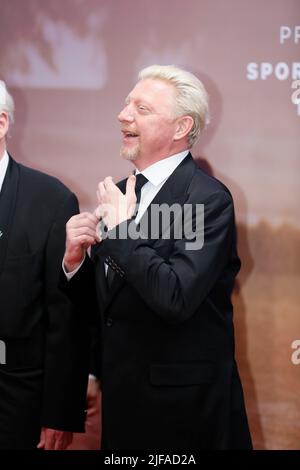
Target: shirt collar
{"points": [[3, 167], [161, 170]]}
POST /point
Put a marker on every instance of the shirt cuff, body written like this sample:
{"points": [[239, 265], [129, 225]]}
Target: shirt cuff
{"points": [[92, 377], [72, 273]]}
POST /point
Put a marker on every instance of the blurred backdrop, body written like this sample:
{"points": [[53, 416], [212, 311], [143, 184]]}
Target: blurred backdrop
{"points": [[70, 64]]}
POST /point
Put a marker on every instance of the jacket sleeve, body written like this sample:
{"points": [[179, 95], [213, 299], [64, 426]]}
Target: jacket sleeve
{"points": [[67, 339], [175, 286], [81, 291]]}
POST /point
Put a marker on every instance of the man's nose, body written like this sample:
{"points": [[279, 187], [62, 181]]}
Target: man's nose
{"points": [[126, 115]]}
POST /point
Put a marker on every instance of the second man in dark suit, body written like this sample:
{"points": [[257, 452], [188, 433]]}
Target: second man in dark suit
{"points": [[162, 286]]}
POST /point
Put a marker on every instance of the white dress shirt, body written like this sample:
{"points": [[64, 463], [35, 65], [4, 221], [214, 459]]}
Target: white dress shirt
{"points": [[3, 167], [156, 174]]}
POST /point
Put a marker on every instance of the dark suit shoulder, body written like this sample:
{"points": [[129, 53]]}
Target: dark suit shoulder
{"points": [[205, 185], [43, 195], [42, 183]]}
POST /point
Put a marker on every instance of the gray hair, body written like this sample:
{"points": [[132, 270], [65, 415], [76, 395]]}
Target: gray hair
{"points": [[6, 102], [192, 98]]}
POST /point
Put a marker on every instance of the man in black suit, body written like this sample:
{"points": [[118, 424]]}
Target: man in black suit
{"points": [[43, 367], [169, 379]]}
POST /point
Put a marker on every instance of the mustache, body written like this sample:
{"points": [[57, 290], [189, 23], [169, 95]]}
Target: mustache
{"points": [[129, 130]]}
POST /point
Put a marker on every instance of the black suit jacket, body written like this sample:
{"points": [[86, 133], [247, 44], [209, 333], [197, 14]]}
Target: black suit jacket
{"points": [[168, 374], [43, 382]]}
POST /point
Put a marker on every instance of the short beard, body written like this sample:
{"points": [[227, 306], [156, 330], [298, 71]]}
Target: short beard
{"points": [[130, 154]]}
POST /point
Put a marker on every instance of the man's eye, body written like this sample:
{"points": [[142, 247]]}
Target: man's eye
{"points": [[142, 108]]}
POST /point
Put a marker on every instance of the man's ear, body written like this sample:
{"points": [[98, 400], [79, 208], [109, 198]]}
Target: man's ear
{"points": [[183, 126], [4, 124]]}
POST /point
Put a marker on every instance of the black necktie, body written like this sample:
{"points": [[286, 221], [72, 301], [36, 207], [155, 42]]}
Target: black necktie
{"points": [[140, 181]]}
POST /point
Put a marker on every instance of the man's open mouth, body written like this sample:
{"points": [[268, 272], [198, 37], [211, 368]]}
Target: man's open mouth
{"points": [[128, 134]]}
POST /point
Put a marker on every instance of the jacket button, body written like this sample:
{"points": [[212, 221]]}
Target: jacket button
{"points": [[109, 322]]}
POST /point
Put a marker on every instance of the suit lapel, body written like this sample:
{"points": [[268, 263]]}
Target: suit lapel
{"points": [[106, 293], [116, 285], [102, 289], [176, 186], [174, 191], [8, 198]]}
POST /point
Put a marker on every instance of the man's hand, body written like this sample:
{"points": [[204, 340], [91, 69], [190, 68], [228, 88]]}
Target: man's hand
{"points": [[116, 207], [80, 235], [93, 397], [51, 439]]}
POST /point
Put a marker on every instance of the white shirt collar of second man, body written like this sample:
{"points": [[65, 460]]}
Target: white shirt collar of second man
{"points": [[161, 170]]}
